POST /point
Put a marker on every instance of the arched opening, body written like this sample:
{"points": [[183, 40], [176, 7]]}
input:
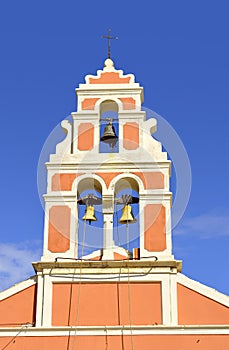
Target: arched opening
{"points": [[126, 214], [109, 127], [90, 218]]}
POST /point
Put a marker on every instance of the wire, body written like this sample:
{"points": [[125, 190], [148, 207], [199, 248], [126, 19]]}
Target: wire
{"points": [[24, 326], [127, 259], [107, 277], [127, 238], [119, 315], [117, 228], [106, 339], [130, 312], [79, 288]]}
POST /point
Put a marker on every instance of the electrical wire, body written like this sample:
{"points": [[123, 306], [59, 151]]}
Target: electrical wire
{"points": [[130, 311], [79, 289], [23, 327], [106, 339], [117, 229], [107, 277], [119, 314]]}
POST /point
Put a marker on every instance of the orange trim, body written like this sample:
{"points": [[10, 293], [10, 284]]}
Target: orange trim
{"points": [[89, 103], [128, 103], [59, 229], [195, 308], [131, 136], [154, 236], [109, 78], [85, 136]]}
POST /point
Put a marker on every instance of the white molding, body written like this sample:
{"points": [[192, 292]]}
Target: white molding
{"points": [[18, 288], [203, 289], [114, 330], [47, 301]]}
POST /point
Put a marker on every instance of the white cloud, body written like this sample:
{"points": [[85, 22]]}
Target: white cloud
{"points": [[208, 225], [15, 261]]}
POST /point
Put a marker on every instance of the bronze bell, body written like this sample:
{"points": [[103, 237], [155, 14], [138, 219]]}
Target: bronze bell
{"points": [[109, 136], [89, 214], [127, 215]]}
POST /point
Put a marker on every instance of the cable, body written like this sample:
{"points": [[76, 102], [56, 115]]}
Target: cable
{"points": [[117, 231], [24, 326], [106, 339], [127, 259], [79, 288], [119, 315], [130, 311], [127, 238], [107, 277]]}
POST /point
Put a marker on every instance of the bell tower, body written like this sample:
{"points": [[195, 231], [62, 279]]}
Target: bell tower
{"points": [[110, 161], [107, 213]]}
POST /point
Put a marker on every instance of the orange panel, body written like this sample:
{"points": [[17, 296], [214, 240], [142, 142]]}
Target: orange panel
{"points": [[154, 236], [63, 182], [89, 103], [152, 180], [106, 304], [109, 78], [194, 308], [85, 136], [128, 103], [131, 136], [107, 177], [148, 342], [19, 308], [59, 229]]}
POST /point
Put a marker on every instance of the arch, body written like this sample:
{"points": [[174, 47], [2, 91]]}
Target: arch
{"points": [[97, 182], [104, 103], [130, 178], [108, 114]]}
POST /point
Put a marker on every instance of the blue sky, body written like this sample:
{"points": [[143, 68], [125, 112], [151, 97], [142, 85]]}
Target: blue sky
{"points": [[178, 50]]}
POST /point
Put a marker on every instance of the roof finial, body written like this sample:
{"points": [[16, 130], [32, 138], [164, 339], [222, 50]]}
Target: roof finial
{"points": [[109, 37]]}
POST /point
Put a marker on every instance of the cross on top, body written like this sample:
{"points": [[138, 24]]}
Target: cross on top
{"points": [[109, 37]]}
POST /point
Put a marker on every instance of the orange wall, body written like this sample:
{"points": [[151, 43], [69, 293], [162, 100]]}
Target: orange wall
{"points": [[109, 78], [59, 229], [63, 182], [89, 103], [18, 308], [106, 303], [128, 103], [154, 220], [130, 136], [85, 136], [152, 179], [140, 342], [194, 308]]}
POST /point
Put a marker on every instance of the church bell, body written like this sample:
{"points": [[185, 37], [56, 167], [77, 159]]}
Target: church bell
{"points": [[127, 215], [89, 214], [109, 136]]}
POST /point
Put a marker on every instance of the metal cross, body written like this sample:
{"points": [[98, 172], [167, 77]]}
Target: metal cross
{"points": [[109, 37]]}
